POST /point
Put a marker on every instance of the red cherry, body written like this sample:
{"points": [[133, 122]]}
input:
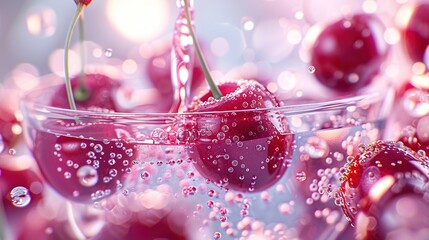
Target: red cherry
{"points": [[99, 92], [241, 150], [399, 209], [84, 162], [158, 70], [374, 162], [83, 2], [348, 53], [416, 32]]}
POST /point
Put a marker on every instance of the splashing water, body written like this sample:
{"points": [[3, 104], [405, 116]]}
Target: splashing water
{"points": [[182, 57]]}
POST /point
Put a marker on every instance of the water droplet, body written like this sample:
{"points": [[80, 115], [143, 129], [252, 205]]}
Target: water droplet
{"points": [[301, 176], [87, 176], [108, 52], [12, 151], [217, 235], [145, 175], [20, 196], [311, 69]]}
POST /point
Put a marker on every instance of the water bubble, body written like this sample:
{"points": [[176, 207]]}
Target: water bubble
{"points": [[20, 196], [217, 235], [98, 148], [87, 176], [311, 69], [12, 151], [316, 147], [108, 52], [301, 176], [145, 175]]}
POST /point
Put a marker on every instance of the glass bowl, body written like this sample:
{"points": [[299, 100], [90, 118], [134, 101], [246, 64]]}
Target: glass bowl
{"points": [[278, 182]]}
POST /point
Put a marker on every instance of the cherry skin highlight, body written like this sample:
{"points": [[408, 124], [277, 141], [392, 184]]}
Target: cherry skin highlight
{"points": [[374, 162], [244, 151], [348, 53], [84, 162]]}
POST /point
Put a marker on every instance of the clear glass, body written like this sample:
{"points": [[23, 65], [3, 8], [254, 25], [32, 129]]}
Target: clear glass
{"points": [[193, 167]]}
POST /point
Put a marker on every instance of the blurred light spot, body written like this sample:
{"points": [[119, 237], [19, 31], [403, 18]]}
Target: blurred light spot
{"points": [[129, 66], [299, 15], [41, 22], [272, 87], [97, 53], [420, 81], [25, 76], [248, 23], [418, 68], [219, 47], [287, 80], [403, 16], [294, 36], [370, 6], [392, 36], [139, 20], [271, 41], [56, 62]]}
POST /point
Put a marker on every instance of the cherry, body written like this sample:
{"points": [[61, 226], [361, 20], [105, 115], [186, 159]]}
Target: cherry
{"points": [[158, 70], [98, 92], [374, 162], [83, 2], [247, 150], [348, 53], [399, 210], [416, 32], [84, 162], [240, 150]]}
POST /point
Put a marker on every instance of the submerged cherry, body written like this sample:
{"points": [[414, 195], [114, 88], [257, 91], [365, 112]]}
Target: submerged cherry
{"points": [[99, 92], [84, 162], [373, 163], [416, 32], [348, 53], [399, 212], [241, 150]]}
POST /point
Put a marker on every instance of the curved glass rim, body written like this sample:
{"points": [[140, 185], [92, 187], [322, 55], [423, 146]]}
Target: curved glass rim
{"points": [[301, 108]]}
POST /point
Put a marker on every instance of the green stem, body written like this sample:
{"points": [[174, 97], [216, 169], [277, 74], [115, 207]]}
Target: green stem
{"points": [[79, 10], [81, 92], [213, 87]]}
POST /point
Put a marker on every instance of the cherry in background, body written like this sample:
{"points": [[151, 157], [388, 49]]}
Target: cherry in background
{"points": [[373, 163], [244, 151], [348, 53], [158, 70], [398, 211], [97, 92], [416, 32]]}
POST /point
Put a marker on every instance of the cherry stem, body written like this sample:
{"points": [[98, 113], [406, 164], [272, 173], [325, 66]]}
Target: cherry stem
{"points": [[70, 97], [213, 87], [81, 92]]}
